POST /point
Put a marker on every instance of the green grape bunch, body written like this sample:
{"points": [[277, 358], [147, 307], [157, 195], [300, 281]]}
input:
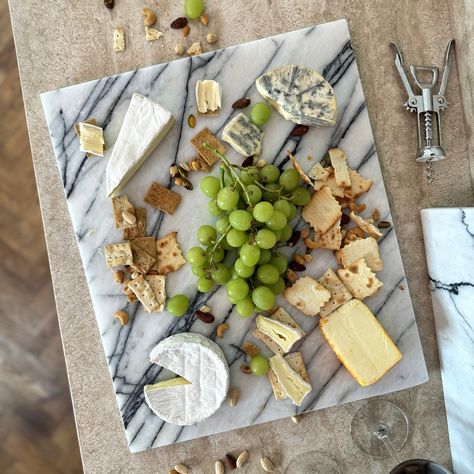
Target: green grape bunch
{"points": [[254, 207]]}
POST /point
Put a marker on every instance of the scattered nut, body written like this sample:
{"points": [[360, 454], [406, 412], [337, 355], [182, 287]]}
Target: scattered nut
{"points": [[195, 49], [128, 269], [266, 464], [250, 349], [179, 181], [219, 467], [384, 225], [126, 290], [186, 30], [221, 329], [207, 318], [181, 469], [109, 4], [192, 121], [291, 276], [187, 184], [152, 272], [242, 459], [179, 23], [129, 218], [299, 131], [150, 17], [304, 232], [353, 206], [245, 369], [211, 38], [299, 259], [402, 287], [195, 165], [173, 471], [345, 219], [119, 276], [308, 257], [376, 215], [135, 275], [205, 309], [122, 316], [296, 266], [132, 298], [204, 20], [247, 162], [230, 460], [173, 171], [183, 170], [241, 103], [296, 418], [179, 49], [152, 35], [294, 239], [234, 395]]}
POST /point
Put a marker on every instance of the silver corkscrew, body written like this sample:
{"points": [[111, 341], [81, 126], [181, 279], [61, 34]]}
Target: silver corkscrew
{"points": [[426, 105]]}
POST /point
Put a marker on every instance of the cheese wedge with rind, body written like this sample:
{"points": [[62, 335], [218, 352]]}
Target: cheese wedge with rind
{"points": [[284, 335]]}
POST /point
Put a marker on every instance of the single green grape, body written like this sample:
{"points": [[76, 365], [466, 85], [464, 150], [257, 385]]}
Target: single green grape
{"points": [[286, 233], [220, 274], [206, 234], [293, 212], [240, 220], [237, 289], [205, 284], [265, 256], [245, 307], [277, 235], [278, 287], [271, 194], [227, 198], [283, 206], [193, 8], [233, 273], [263, 297], [214, 209], [246, 178], [270, 173], [260, 113], [178, 305], [255, 193], [210, 186], [196, 256], [236, 238], [290, 179], [300, 196], [266, 239], [243, 270], [249, 254], [259, 365], [198, 271], [277, 221], [263, 211], [219, 254], [222, 224], [268, 274], [225, 245], [279, 261]]}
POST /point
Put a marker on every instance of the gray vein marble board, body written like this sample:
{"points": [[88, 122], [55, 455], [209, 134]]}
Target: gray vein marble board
{"points": [[328, 49]]}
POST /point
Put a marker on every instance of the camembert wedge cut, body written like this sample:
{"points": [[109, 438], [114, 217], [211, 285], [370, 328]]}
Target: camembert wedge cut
{"points": [[360, 342], [284, 335], [145, 125]]}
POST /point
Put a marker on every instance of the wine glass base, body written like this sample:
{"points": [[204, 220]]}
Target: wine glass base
{"points": [[312, 462], [374, 416]]}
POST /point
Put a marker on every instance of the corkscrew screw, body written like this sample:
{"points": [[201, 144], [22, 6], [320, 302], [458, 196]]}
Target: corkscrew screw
{"points": [[427, 105]]}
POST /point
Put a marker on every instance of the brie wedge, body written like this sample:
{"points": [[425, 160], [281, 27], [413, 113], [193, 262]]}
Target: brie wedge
{"points": [[202, 384], [208, 96], [146, 123], [281, 333], [243, 136], [360, 342], [300, 94]]}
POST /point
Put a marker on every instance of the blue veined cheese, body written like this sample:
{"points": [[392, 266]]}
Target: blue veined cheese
{"points": [[300, 94], [243, 136]]}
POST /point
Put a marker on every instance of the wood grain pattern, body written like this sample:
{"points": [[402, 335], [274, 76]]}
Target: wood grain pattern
{"points": [[37, 430]]}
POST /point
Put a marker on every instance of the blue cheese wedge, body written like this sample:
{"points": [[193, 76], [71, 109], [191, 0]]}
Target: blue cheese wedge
{"points": [[360, 342], [300, 94], [145, 125], [243, 136]]}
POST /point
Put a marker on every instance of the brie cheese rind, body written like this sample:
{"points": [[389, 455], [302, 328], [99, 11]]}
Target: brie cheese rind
{"points": [[300, 94], [200, 362], [283, 334], [208, 96], [360, 342], [243, 136], [145, 124]]}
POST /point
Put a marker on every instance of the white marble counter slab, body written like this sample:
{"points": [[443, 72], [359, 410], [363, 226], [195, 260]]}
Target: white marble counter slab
{"points": [[449, 242], [326, 48]]}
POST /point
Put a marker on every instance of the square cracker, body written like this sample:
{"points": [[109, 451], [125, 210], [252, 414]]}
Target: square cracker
{"points": [[147, 244], [296, 362], [339, 163], [162, 198], [169, 256], [359, 185], [359, 279], [366, 226], [339, 293], [322, 211], [138, 230], [157, 284], [362, 248], [329, 240], [144, 292], [307, 295], [121, 204], [118, 254], [206, 136], [142, 261]]}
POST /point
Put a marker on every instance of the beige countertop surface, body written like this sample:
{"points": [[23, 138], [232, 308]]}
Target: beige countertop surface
{"points": [[62, 43]]}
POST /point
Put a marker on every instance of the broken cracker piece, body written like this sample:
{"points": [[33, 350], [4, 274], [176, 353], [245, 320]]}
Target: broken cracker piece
{"points": [[147, 244], [298, 168], [121, 205], [206, 136], [365, 225], [143, 291], [169, 256], [119, 39], [329, 240], [318, 173], [142, 261], [118, 254], [195, 49], [339, 293], [151, 34], [363, 248], [162, 198], [157, 284], [339, 163], [323, 211], [138, 230], [359, 185], [359, 279], [307, 295]]}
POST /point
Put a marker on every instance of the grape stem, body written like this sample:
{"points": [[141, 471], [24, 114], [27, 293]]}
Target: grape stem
{"points": [[232, 171], [216, 244], [261, 186]]}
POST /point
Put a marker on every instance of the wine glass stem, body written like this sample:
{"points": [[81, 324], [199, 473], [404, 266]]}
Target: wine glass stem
{"points": [[382, 435]]}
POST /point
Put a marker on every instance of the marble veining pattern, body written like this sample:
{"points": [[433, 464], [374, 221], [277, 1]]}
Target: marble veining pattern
{"points": [[449, 243], [328, 49]]}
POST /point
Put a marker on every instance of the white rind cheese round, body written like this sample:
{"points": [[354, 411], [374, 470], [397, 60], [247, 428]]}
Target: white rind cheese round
{"points": [[202, 363], [300, 94]]}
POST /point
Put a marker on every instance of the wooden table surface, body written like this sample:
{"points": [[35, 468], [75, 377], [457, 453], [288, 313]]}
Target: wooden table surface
{"points": [[62, 43]]}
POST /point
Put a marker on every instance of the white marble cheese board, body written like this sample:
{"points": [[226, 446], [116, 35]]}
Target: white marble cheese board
{"points": [[328, 49]]}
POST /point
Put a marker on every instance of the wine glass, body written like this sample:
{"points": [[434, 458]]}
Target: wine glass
{"points": [[313, 462]]}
